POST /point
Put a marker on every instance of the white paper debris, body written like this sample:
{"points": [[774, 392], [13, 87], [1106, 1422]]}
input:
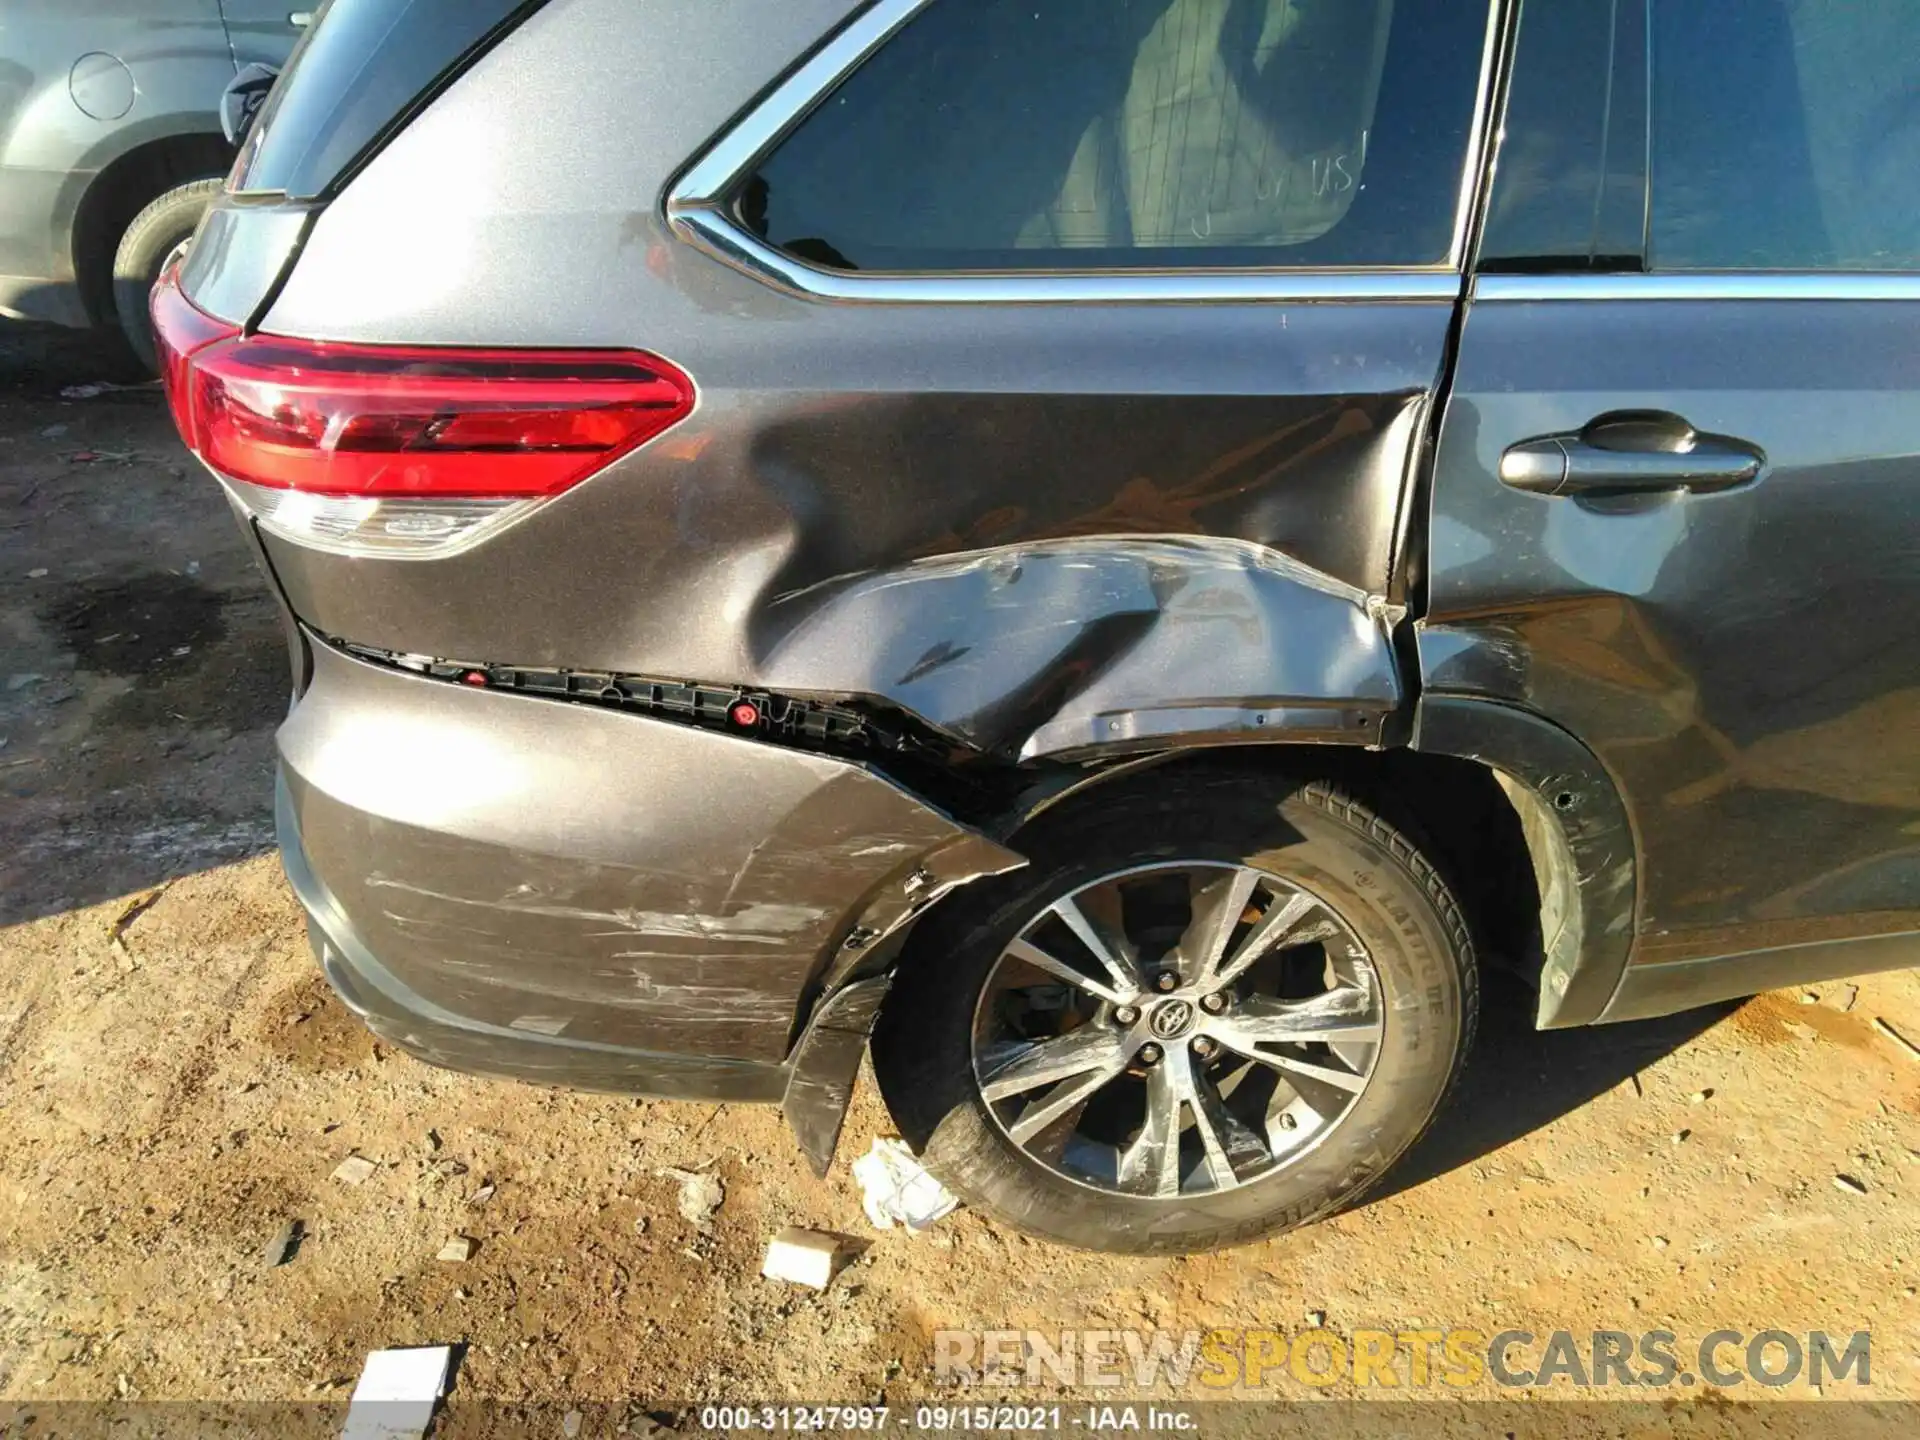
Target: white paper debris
{"points": [[896, 1189], [700, 1195], [801, 1255], [397, 1393], [354, 1170]]}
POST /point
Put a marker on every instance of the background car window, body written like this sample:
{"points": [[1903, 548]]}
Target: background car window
{"points": [[1786, 135], [1065, 134]]}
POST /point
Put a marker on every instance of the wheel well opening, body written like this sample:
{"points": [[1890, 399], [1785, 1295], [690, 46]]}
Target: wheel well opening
{"points": [[122, 191], [1454, 809]]}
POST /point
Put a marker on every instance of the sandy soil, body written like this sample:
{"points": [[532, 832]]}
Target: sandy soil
{"points": [[170, 1103]]}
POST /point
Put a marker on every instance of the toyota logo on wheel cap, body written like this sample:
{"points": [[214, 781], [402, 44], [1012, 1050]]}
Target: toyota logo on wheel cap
{"points": [[1172, 1019]]}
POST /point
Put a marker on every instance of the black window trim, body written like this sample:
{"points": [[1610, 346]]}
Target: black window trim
{"points": [[697, 211]]}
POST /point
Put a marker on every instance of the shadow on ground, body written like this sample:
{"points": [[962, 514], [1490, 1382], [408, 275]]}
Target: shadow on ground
{"points": [[142, 666], [1519, 1079]]}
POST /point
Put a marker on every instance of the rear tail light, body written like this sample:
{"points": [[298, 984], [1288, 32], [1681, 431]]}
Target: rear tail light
{"points": [[401, 450]]}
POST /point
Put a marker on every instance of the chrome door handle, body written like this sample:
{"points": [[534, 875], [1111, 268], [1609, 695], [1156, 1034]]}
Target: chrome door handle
{"points": [[1630, 452]]}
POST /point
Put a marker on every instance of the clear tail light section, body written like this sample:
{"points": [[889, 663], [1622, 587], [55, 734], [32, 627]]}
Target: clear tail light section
{"points": [[401, 450]]}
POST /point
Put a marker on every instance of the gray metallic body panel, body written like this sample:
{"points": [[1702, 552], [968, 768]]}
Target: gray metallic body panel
{"points": [[85, 83], [146, 72], [1661, 989], [571, 873], [262, 31], [394, 1011], [239, 254], [1050, 531], [1044, 529], [1742, 662]]}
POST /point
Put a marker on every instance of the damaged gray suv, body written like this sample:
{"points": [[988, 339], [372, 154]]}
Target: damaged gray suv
{"points": [[1115, 552]]}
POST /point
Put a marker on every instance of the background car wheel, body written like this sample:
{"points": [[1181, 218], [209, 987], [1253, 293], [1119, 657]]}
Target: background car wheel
{"points": [[156, 233], [1213, 1007]]}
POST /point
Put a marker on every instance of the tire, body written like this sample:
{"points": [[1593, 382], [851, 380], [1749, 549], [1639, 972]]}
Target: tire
{"points": [[1413, 970], [156, 232]]}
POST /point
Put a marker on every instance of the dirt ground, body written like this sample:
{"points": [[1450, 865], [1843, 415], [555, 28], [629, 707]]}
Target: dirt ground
{"points": [[169, 1103]]}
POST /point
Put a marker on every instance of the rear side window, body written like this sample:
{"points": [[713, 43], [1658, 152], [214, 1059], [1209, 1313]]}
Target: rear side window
{"points": [[1786, 135], [363, 66], [1072, 134]]}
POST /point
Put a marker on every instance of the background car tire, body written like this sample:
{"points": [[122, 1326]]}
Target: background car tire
{"points": [[156, 232], [1388, 892]]}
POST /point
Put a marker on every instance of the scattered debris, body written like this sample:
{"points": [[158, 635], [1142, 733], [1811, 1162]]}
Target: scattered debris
{"points": [[1852, 997], [1700, 1097], [40, 573], [700, 1195], [481, 1196], [1680, 1137], [640, 1226], [803, 1256], [397, 1392], [94, 388], [456, 1250], [354, 1170], [433, 1139], [1660, 1242], [1849, 1184], [1913, 1050], [570, 1423], [54, 432], [280, 1249], [896, 1189], [1317, 1319], [1810, 997], [138, 906]]}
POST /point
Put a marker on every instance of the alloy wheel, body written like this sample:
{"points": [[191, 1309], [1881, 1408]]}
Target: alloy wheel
{"points": [[1177, 1029]]}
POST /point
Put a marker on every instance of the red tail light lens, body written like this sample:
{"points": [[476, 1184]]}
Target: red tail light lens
{"points": [[377, 421], [373, 420], [180, 329]]}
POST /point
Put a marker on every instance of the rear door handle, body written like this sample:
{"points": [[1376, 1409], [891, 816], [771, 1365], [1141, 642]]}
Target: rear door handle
{"points": [[1630, 452]]}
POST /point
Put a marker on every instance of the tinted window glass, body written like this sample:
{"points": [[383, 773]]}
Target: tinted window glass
{"points": [[1067, 134], [362, 65], [1786, 135], [1570, 186]]}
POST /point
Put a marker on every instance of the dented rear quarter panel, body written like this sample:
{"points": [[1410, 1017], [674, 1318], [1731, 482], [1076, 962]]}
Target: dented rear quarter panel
{"points": [[1040, 528], [1052, 532]]}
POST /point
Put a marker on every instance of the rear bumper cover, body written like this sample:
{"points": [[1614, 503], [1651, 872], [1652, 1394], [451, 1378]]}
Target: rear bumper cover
{"points": [[564, 894]]}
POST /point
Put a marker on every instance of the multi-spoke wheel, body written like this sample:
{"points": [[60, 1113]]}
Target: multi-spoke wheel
{"points": [[1175, 1044], [1177, 1028]]}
